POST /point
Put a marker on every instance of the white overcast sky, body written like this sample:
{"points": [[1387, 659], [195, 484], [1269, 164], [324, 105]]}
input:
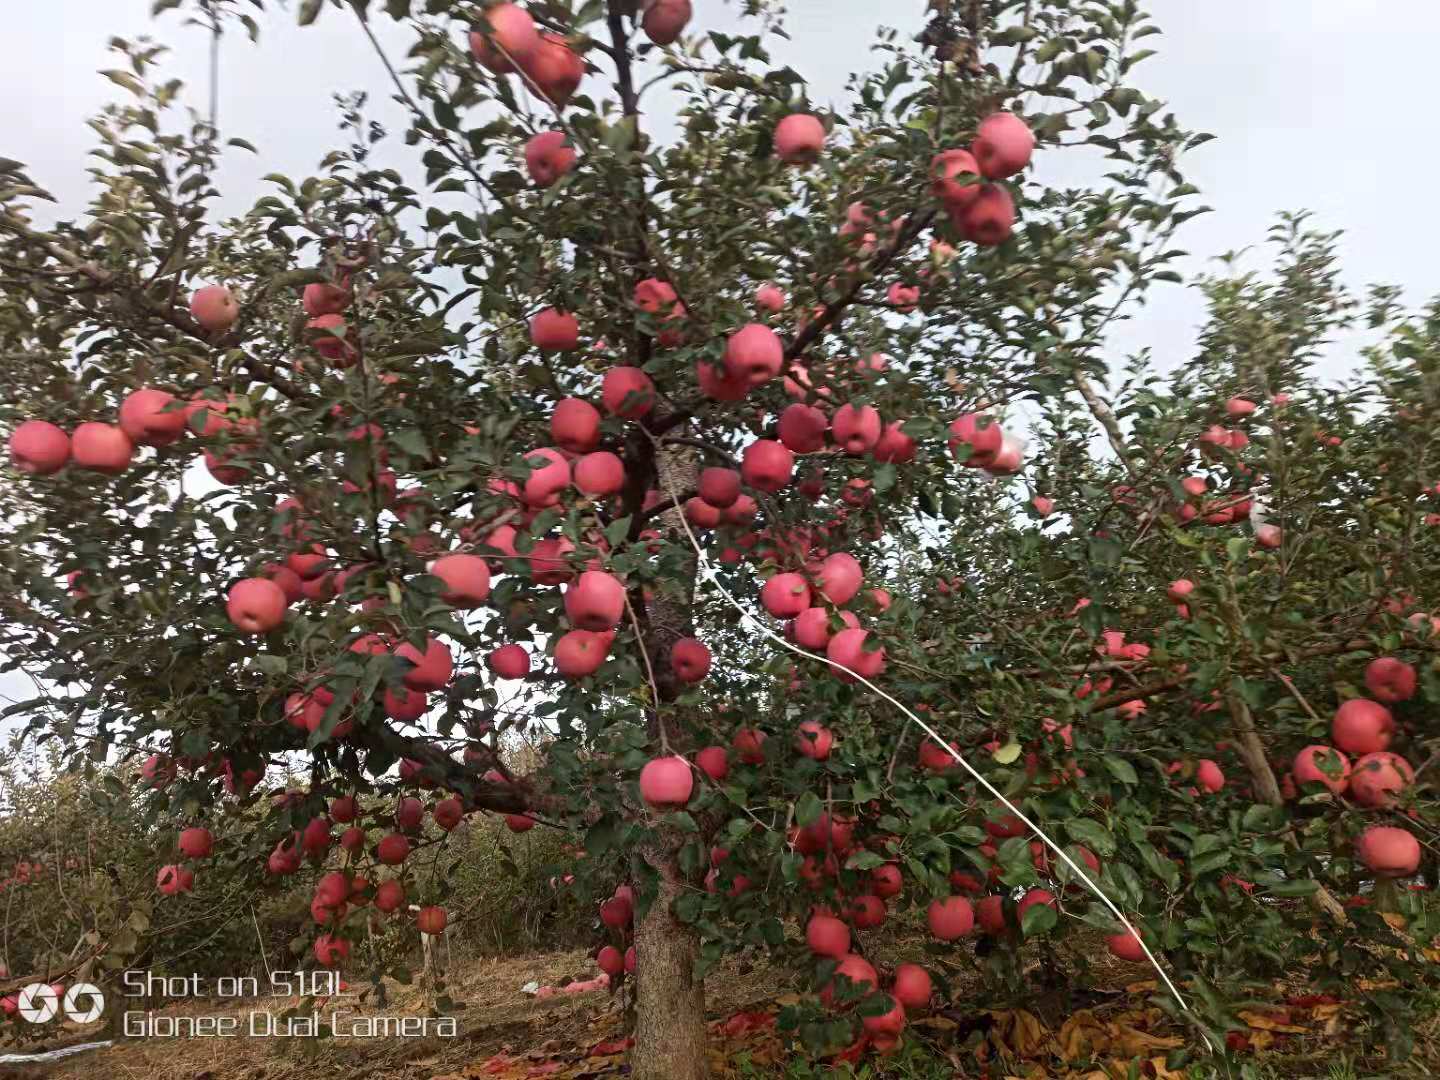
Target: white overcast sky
{"points": [[1317, 104]]}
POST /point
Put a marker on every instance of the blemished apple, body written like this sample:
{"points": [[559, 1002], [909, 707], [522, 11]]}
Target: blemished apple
{"points": [[553, 330], [1003, 145], [690, 660], [102, 448], [214, 307], [1378, 779], [1362, 726], [799, 139], [665, 20], [510, 36], [627, 392], [255, 605], [595, 601], [39, 448], [666, 782], [143, 418], [886, 881], [548, 157], [1320, 764], [767, 465], [813, 740], [173, 879]]}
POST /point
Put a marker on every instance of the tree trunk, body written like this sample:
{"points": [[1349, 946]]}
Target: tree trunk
{"points": [[670, 1034]]}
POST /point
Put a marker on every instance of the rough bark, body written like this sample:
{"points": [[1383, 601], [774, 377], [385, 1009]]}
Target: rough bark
{"points": [[670, 1034]]}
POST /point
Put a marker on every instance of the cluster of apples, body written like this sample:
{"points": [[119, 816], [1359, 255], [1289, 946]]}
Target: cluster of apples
{"points": [[981, 210], [617, 915]]}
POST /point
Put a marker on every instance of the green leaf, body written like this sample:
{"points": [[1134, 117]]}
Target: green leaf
{"points": [[808, 808], [1008, 753], [1092, 834], [310, 11], [1121, 769], [1039, 919]]}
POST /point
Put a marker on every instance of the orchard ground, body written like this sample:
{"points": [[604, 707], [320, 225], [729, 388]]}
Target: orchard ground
{"points": [[1097, 1034]]}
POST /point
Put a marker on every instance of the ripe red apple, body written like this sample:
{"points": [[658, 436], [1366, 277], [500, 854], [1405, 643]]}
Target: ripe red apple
{"points": [[509, 36], [214, 308], [579, 653], [344, 808], [390, 895], [950, 918], [990, 912], [912, 987], [944, 168], [595, 601], [714, 762], [1321, 764], [1125, 946], [690, 660], [1390, 680], [903, 298], [980, 433], [600, 473], [519, 823], [886, 881], [867, 911], [1388, 852], [840, 578], [575, 425], [409, 813], [719, 487], [610, 961], [859, 971], [769, 298], [323, 298], [1378, 779], [433, 667], [509, 662], [1269, 536], [1209, 776], [754, 354], [799, 138], [665, 20], [802, 428], [894, 445], [989, 219], [718, 385], [553, 330], [813, 740], [555, 68], [39, 448], [466, 578], [144, 421], [331, 951], [847, 648], [331, 338], [431, 920], [1032, 898], [548, 565], [767, 465], [749, 743], [102, 448], [196, 843], [935, 757], [701, 514], [627, 392], [666, 782], [549, 476], [548, 156], [1362, 726], [1238, 407], [856, 430], [827, 936], [785, 595], [256, 605], [392, 850], [1003, 145]]}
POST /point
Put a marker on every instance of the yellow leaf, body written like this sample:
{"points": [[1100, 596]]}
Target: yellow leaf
{"points": [[1268, 1023]]}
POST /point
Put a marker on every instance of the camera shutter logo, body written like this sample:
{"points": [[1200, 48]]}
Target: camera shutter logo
{"points": [[39, 1003]]}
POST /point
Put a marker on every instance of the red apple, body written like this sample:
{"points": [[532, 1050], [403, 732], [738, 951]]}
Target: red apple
{"points": [[754, 354], [509, 36], [579, 653], [214, 308], [575, 425], [323, 298], [466, 578], [714, 762], [553, 330], [719, 487], [989, 219], [665, 20], [912, 987], [690, 660], [196, 843], [847, 648], [1003, 145], [767, 465], [799, 138], [785, 595], [1125, 946], [827, 936], [749, 743], [143, 419], [802, 428], [950, 918], [666, 782], [390, 895], [813, 740], [555, 68], [509, 662], [548, 156], [770, 299], [600, 474], [1388, 852], [627, 392], [255, 605], [1320, 764], [1390, 680], [39, 448], [102, 448], [1362, 726]]}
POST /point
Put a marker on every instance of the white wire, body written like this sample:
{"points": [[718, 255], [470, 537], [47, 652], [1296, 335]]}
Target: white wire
{"points": [[1085, 878]]}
